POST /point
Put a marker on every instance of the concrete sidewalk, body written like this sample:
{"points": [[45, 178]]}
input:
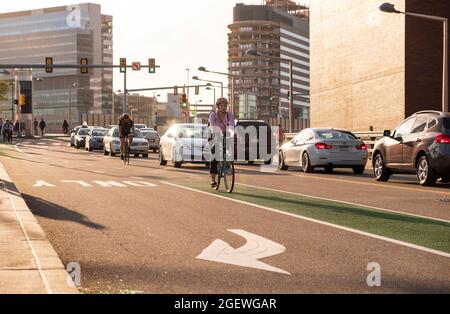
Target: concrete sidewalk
{"points": [[28, 262]]}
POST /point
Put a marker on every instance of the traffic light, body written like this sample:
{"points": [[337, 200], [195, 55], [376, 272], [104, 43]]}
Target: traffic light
{"points": [[184, 102], [49, 61], [151, 65], [123, 65], [22, 100], [197, 90], [84, 61]]}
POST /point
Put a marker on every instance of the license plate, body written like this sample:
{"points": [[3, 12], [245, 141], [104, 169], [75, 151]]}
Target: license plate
{"points": [[344, 148], [151, 141]]}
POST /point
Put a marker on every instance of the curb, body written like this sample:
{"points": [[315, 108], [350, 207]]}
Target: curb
{"points": [[29, 264]]}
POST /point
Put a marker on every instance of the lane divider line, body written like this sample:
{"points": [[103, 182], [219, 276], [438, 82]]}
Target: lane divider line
{"points": [[367, 234]]}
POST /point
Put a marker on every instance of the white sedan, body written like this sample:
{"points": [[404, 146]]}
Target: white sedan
{"points": [[324, 148], [184, 143], [112, 143]]}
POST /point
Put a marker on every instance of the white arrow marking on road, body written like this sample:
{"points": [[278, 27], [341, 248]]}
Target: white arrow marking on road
{"points": [[108, 184], [41, 183], [247, 256], [140, 184], [82, 183]]}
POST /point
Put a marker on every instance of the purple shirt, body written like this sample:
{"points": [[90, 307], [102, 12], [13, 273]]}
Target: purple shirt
{"points": [[228, 120]]}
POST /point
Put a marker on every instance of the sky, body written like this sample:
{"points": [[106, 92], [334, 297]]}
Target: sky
{"points": [[179, 34]]}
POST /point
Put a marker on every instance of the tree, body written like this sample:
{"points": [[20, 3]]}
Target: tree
{"points": [[3, 90]]}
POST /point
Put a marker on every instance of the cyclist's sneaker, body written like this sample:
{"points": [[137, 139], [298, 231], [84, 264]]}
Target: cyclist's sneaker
{"points": [[213, 184]]}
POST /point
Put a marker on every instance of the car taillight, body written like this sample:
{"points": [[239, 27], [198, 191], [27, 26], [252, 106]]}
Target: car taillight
{"points": [[323, 146], [443, 139], [362, 147]]}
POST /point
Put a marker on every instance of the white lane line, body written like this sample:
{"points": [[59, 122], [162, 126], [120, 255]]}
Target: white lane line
{"points": [[21, 151], [370, 235], [138, 178], [344, 202], [36, 258], [98, 171]]}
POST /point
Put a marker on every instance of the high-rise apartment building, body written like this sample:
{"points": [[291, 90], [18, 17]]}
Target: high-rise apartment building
{"points": [[67, 34], [277, 31]]}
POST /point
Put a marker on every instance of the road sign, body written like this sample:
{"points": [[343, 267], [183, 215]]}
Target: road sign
{"points": [[136, 66], [248, 255]]}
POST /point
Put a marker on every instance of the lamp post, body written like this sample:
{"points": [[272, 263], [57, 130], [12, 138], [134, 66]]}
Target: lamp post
{"points": [[203, 69], [218, 82], [254, 52], [76, 86], [390, 8]]}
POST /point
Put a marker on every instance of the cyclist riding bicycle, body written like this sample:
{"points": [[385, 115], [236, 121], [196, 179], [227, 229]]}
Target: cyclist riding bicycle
{"points": [[219, 117], [126, 130]]}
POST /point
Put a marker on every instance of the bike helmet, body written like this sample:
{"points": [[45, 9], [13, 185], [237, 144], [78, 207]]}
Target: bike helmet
{"points": [[221, 100], [126, 116]]}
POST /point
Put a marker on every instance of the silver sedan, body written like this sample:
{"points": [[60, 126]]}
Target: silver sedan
{"points": [[324, 148]]}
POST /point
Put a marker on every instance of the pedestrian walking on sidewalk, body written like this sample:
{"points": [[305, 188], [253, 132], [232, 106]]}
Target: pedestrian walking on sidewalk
{"points": [[65, 127], [42, 126]]}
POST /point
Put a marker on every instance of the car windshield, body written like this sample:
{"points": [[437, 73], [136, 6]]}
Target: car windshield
{"points": [[137, 134], [335, 135], [147, 133], [447, 123], [83, 132], [194, 132], [99, 132]]}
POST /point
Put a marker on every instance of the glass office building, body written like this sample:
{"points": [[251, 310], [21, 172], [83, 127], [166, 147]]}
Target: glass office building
{"points": [[66, 34]]}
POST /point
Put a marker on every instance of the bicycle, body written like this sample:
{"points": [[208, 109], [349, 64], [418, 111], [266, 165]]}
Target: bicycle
{"points": [[126, 155], [225, 170]]}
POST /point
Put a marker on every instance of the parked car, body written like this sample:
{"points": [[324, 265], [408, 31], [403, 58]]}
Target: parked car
{"points": [[247, 142], [94, 139], [72, 135], [420, 145], [324, 148], [112, 143], [140, 126], [80, 137], [183, 143], [152, 137]]}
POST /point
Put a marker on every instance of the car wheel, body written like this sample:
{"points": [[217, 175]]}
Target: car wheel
{"points": [[268, 162], [281, 163], [329, 169], [425, 174], [145, 155], [177, 164], [358, 169], [162, 161], [105, 152], [307, 168], [111, 152], [381, 172]]}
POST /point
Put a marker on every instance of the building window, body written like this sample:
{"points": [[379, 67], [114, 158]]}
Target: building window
{"points": [[246, 29]]}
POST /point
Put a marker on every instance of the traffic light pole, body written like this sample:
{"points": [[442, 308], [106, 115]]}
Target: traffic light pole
{"points": [[124, 92]]}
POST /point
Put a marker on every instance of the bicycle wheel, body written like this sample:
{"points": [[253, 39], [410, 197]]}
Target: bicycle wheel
{"points": [[228, 176], [219, 174], [125, 153]]}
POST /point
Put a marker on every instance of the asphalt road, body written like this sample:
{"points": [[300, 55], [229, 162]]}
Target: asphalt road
{"points": [[134, 228]]}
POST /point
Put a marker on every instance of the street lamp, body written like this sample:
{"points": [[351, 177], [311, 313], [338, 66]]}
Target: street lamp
{"points": [[218, 82], [254, 52], [390, 8], [76, 86], [203, 69]]}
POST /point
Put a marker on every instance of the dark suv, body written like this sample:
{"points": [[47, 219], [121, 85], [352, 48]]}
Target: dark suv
{"points": [[248, 142], [421, 145]]}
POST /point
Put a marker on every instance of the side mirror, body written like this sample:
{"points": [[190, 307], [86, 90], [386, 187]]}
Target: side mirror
{"points": [[387, 133]]}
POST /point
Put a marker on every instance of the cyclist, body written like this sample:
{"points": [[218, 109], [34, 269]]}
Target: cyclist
{"points": [[219, 117], [126, 130]]}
